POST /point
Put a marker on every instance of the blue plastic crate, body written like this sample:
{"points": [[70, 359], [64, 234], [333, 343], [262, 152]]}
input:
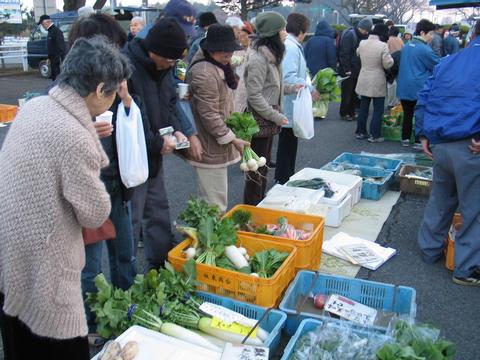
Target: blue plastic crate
{"points": [[382, 163], [311, 324], [371, 191], [387, 297], [273, 322]]}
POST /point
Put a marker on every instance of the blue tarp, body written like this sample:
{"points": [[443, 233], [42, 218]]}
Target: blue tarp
{"points": [[449, 4]]}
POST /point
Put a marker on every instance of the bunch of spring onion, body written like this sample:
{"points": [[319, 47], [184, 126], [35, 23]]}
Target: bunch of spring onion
{"points": [[245, 127]]}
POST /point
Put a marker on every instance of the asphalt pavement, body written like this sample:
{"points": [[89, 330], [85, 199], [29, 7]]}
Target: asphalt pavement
{"points": [[451, 307]]}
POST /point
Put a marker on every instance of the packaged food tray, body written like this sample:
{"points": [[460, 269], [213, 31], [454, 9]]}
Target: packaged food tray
{"points": [[309, 251], [414, 186], [383, 163], [311, 324], [369, 190], [387, 297], [236, 285], [273, 322], [346, 183]]}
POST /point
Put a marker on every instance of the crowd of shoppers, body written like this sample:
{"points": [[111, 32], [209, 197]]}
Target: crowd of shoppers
{"points": [[67, 172]]}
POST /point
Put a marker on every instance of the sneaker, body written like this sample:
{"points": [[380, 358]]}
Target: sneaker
{"points": [[375, 140], [472, 280], [360, 136], [140, 244], [406, 143]]}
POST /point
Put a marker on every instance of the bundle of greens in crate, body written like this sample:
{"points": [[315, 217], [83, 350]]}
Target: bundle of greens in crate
{"points": [[163, 301], [214, 242], [325, 81]]}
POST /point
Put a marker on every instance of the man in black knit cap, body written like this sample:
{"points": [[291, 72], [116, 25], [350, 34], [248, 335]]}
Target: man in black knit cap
{"points": [[205, 20], [153, 59]]}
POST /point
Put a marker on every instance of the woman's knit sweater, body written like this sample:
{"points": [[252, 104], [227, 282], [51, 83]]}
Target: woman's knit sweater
{"points": [[49, 176]]}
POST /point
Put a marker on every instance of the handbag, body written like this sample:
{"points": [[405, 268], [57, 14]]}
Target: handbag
{"points": [[104, 232], [267, 128]]}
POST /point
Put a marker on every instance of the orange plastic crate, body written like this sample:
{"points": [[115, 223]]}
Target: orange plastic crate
{"points": [[243, 287], [309, 252], [450, 249], [7, 112]]}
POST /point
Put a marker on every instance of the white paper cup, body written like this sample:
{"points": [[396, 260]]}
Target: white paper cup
{"points": [[182, 90], [106, 117]]}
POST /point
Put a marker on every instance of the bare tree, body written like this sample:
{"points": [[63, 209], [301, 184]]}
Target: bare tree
{"points": [[400, 11], [242, 7]]}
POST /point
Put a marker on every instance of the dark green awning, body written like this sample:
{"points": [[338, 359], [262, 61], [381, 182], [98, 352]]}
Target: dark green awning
{"points": [[450, 4]]}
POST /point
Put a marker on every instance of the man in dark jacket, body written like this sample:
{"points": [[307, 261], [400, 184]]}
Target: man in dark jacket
{"points": [[349, 65], [320, 51], [451, 44], [55, 45], [452, 125], [152, 60]]}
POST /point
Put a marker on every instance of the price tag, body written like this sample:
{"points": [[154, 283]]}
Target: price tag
{"points": [[226, 315], [350, 310], [233, 327]]}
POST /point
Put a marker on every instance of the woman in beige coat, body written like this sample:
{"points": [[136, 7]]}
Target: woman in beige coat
{"points": [[372, 82], [212, 81]]}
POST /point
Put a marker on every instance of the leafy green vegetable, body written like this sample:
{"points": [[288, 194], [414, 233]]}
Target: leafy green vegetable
{"points": [[116, 310], [214, 236], [267, 262], [243, 125], [417, 342], [313, 184], [242, 220], [196, 210], [325, 82]]}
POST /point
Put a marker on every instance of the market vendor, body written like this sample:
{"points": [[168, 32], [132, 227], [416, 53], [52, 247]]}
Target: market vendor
{"points": [[448, 123]]}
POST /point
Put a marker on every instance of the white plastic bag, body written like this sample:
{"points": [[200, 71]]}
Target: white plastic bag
{"points": [[303, 115], [131, 147]]}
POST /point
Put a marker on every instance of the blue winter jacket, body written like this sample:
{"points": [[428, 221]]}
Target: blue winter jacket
{"points": [[451, 45], [294, 70], [418, 61], [320, 50], [448, 107]]}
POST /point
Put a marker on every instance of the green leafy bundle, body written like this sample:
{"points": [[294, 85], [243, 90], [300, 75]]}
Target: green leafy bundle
{"points": [[417, 342], [325, 82], [243, 125], [267, 262], [166, 294], [196, 210], [214, 236]]}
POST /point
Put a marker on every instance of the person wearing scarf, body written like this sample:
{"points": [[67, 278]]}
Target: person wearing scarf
{"points": [[212, 81]]}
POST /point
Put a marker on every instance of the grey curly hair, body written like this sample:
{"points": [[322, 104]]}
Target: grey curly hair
{"points": [[91, 62]]}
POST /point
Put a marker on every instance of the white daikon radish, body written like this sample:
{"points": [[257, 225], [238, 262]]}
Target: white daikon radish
{"points": [[237, 259]]}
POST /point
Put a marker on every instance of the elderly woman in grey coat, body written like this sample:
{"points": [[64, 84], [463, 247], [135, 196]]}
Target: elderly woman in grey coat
{"points": [[372, 82], [52, 156]]}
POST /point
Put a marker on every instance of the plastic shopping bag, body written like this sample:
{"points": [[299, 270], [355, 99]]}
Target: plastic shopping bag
{"points": [[131, 147], [303, 115]]}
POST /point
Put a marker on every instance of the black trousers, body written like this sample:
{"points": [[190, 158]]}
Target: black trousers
{"points": [[349, 97], [19, 343], [54, 68], [256, 184], [286, 155], [408, 112]]}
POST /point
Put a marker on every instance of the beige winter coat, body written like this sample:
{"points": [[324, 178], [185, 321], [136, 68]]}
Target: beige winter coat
{"points": [[264, 84], [212, 103], [375, 59]]}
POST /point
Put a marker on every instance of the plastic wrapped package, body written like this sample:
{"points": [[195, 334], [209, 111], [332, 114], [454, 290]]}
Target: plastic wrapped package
{"points": [[331, 341]]}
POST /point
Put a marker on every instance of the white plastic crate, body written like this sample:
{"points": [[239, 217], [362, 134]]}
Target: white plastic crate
{"points": [[342, 183], [307, 201]]}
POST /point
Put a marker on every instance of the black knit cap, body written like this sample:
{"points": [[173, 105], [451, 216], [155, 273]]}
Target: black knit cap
{"points": [[220, 38], [206, 19], [166, 38]]}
